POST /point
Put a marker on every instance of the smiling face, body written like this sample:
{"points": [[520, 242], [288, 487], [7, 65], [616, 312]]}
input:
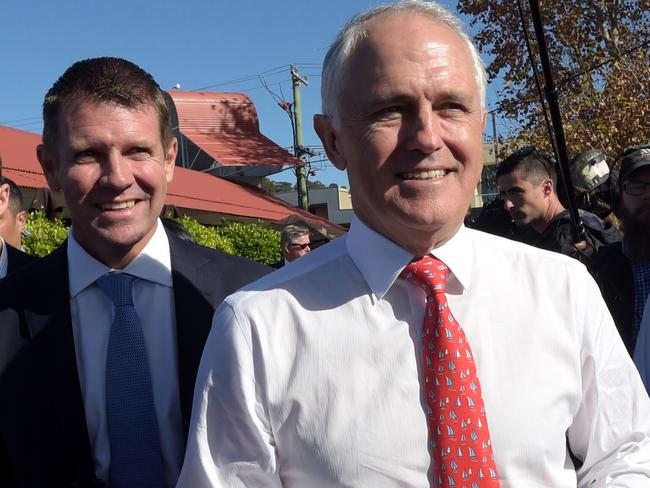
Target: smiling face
{"points": [[410, 130], [113, 169]]}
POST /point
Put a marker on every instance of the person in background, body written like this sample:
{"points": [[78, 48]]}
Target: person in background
{"points": [[414, 351], [622, 269], [102, 338], [295, 243], [12, 227], [528, 186]]}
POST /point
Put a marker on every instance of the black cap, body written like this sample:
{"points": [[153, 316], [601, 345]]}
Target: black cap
{"points": [[634, 158]]}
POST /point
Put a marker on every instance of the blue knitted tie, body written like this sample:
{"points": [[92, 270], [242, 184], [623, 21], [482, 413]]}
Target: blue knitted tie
{"points": [[136, 459]]}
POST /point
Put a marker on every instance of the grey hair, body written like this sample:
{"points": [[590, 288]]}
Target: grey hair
{"points": [[355, 30], [292, 232]]}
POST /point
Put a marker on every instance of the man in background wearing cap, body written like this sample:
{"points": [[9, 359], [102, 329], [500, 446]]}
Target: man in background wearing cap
{"points": [[622, 269], [12, 224]]}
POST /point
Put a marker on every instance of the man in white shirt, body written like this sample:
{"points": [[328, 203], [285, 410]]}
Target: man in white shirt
{"points": [[101, 340], [12, 225], [314, 376]]}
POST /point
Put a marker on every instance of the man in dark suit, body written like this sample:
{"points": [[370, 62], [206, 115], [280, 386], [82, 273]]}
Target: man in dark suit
{"points": [[100, 341], [12, 224]]}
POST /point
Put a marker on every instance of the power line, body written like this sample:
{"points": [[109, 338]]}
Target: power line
{"points": [[24, 119], [268, 72]]}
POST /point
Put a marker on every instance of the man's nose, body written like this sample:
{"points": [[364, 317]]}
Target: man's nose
{"points": [[116, 171], [425, 136]]}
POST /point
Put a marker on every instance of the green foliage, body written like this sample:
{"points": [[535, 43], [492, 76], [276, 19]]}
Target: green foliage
{"points": [[207, 236], [253, 241], [315, 184], [46, 235], [277, 186], [601, 66]]}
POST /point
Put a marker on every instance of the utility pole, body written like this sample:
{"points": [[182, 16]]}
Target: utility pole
{"points": [[299, 150], [495, 144]]}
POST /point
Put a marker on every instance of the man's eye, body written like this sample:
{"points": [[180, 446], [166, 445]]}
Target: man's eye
{"points": [[391, 111], [452, 107], [85, 156], [140, 152]]}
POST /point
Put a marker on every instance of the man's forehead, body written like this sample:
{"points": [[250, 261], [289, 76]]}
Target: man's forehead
{"points": [[399, 29], [641, 173], [82, 103]]}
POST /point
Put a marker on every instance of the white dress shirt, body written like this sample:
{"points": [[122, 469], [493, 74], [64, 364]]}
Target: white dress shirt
{"points": [[310, 377], [4, 258], [642, 348], [92, 315]]}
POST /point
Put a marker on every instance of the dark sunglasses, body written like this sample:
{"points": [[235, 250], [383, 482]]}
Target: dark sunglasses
{"points": [[295, 247]]}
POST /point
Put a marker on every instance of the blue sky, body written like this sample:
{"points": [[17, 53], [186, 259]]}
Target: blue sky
{"points": [[207, 43]]}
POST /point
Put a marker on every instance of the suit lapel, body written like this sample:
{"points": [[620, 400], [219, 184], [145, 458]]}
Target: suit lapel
{"points": [[193, 318]]}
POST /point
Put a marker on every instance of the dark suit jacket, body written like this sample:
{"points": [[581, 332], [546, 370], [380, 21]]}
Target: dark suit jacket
{"points": [[43, 434], [17, 259]]}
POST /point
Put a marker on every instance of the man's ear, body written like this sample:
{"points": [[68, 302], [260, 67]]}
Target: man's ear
{"points": [[547, 187], [170, 159], [4, 198], [46, 158], [21, 219], [329, 137]]}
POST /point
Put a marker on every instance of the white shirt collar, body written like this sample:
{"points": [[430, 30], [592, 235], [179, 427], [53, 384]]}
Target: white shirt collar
{"points": [[380, 260], [152, 264], [3, 258]]}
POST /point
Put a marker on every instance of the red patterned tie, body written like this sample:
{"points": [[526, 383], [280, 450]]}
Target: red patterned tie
{"points": [[458, 432]]}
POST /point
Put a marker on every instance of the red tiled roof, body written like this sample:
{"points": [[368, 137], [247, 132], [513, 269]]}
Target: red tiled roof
{"points": [[19, 162], [201, 191], [189, 189], [225, 126]]}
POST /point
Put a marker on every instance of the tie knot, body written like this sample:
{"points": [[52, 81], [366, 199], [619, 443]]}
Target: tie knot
{"points": [[428, 272], [118, 287]]}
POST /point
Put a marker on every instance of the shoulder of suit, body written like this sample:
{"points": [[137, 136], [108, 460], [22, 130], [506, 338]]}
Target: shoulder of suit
{"points": [[41, 277], [17, 254], [213, 257]]}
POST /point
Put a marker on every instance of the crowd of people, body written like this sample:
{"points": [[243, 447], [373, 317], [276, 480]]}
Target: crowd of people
{"points": [[414, 351]]}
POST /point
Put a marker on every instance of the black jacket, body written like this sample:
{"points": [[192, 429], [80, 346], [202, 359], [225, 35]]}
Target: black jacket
{"points": [[558, 232], [612, 271], [17, 259], [43, 434]]}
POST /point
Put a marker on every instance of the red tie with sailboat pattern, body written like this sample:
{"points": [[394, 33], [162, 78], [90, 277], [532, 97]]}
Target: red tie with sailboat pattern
{"points": [[459, 438]]}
